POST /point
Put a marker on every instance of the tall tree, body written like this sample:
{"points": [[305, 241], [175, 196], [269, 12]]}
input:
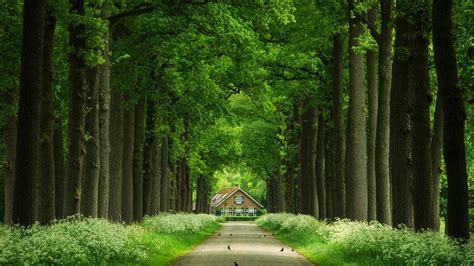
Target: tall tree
{"points": [[165, 181], [356, 151], [421, 95], [46, 195], [454, 115], [320, 176], [116, 151], [90, 184], [26, 165], [371, 61], [338, 118], [138, 147], [400, 128], [77, 110], [127, 161], [382, 142], [436, 154], [59, 167]]}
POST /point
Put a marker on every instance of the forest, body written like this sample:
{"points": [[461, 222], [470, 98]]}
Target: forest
{"points": [[125, 109]]}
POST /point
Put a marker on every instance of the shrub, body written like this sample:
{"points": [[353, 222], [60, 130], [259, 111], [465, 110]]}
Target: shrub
{"points": [[181, 222], [75, 240]]}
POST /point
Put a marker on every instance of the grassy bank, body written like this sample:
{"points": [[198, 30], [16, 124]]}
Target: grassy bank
{"points": [[346, 242], [158, 240]]}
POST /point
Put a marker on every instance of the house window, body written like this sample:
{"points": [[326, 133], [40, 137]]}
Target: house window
{"points": [[239, 199]]}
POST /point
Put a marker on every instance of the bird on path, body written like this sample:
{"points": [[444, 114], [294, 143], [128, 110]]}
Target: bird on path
{"points": [[230, 234], [264, 235], [282, 249], [228, 247], [219, 234], [292, 249], [236, 264]]}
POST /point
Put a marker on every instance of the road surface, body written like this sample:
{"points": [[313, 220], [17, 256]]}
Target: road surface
{"points": [[248, 246]]}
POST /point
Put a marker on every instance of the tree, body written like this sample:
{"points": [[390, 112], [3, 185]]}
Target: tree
{"points": [[356, 151], [26, 165], [454, 115]]}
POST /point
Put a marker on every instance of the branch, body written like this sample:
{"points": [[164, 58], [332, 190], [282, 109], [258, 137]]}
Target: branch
{"points": [[373, 30], [137, 10]]}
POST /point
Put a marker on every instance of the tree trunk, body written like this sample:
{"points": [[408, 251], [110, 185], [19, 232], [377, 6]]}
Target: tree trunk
{"points": [[400, 131], [371, 61], [116, 151], [138, 149], [59, 167], [338, 118], [149, 148], [127, 162], [330, 172], [200, 191], [320, 177], [356, 152], [155, 196], [436, 152], [26, 165], [104, 136], [46, 195], [308, 158], [165, 193], [90, 184], [454, 115], [9, 166], [420, 89], [382, 142], [77, 110]]}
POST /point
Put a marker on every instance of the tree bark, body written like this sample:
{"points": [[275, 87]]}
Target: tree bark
{"points": [[308, 157], [59, 167], [116, 151], [90, 184], [165, 186], [330, 172], [320, 177], [420, 89], [155, 193], [138, 149], [356, 152], [77, 110], [9, 166], [436, 152], [454, 115], [104, 136], [338, 118], [46, 195], [371, 61], [149, 148], [382, 142], [127, 162], [31, 72], [400, 129]]}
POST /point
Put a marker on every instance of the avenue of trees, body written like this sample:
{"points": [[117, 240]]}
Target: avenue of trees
{"points": [[350, 109]]}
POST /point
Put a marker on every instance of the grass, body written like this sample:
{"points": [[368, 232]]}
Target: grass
{"points": [[158, 240], [355, 243]]}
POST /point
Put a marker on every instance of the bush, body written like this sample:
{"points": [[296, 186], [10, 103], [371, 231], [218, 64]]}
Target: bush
{"points": [[369, 242], [75, 240], [181, 222]]}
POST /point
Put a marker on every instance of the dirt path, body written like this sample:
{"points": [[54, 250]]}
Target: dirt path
{"points": [[248, 246]]}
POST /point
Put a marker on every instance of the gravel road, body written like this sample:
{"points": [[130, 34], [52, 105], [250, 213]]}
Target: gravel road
{"points": [[248, 246]]}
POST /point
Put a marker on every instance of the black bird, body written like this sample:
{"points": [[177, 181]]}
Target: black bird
{"points": [[292, 249], [281, 250], [264, 235], [230, 234], [219, 234], [228, 247], [236, 264]]}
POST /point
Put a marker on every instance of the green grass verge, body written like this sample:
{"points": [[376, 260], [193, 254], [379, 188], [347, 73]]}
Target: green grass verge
{"points": [[163, 249]]}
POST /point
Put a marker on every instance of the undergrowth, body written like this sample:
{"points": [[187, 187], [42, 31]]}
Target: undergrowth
{"points": [[348, 242], [89, 241]]}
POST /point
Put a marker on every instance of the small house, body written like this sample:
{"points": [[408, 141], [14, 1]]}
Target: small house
{"points": [[234, 202]]}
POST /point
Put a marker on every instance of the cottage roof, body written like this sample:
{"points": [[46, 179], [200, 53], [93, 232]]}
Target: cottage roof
{"points": [[226, 193]]}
